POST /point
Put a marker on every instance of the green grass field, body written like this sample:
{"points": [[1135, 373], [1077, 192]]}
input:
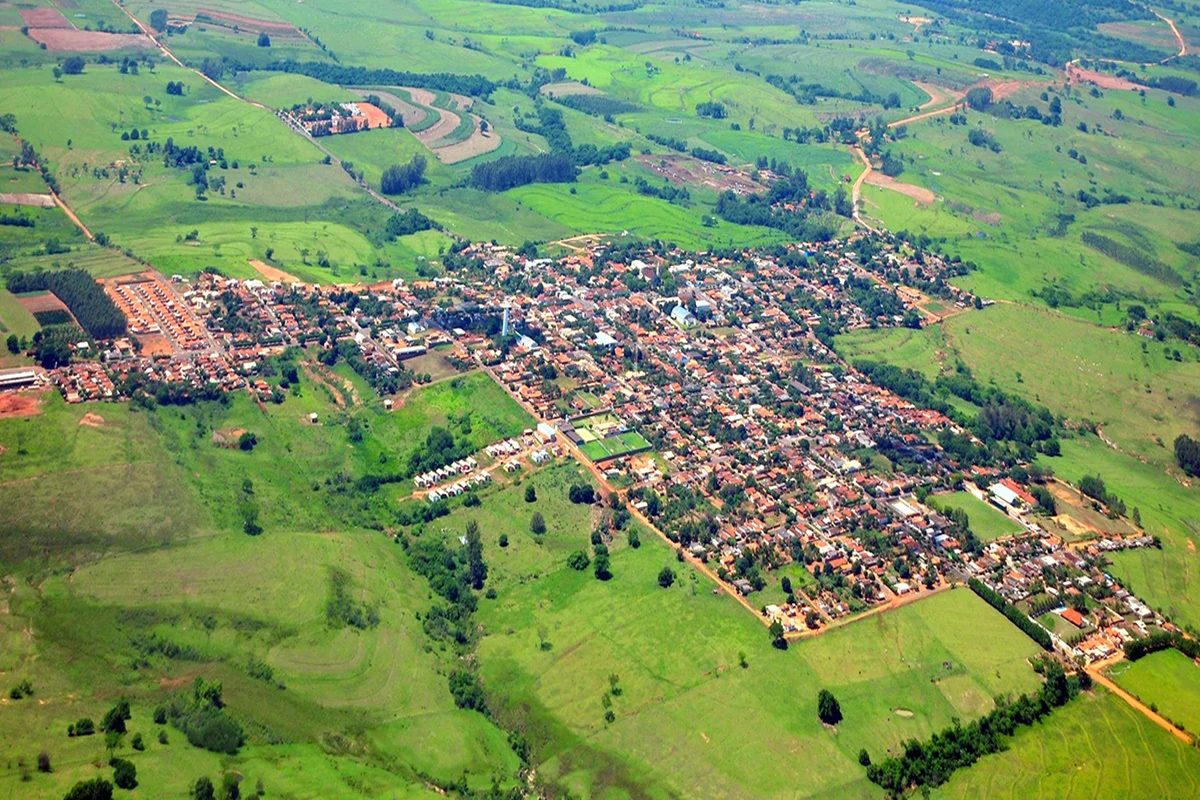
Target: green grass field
{"points": [[615, 446], [987, 521], [1168, 679], [676, 651], [1097, 746]]}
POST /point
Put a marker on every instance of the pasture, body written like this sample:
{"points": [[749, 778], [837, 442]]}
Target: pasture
{"points": [[676, 653], [1096, 746], [1167, 679], [987, 521]]}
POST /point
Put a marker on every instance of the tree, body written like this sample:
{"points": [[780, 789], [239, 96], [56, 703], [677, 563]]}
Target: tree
{"points": [[578, 560], [864, 757], [114, 720], [666, 577], [476, 569], [1187, 451], [786, 585], [57, 72], [530, 494], [600, 566], [247, 441], [158, 19], [400, 178], [775, 630], [264, 40], [537, 525], [828, 708], [634, 540], [203, 789], [124, 773], [73, 65], [43, 762], [504, 540], [95, 789], [14, 344], [230, 787]]}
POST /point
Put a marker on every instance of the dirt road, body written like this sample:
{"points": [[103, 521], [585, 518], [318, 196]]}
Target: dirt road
{"points": [[856, 193], [1099, 677]]}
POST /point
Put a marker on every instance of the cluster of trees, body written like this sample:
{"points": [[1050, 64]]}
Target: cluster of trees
{"points": [[706, 154], [401, 178], [1093, 486], [710, 109], [201, 716], [581, 493], [1015, 615], [678, 145], [1003, 417], [929, 764], [411, 221], [92, 307], [511, 171], [803, 221], [673, 194], [981, 138], [382, 380], [343, 75], [1161, 640], [1187, 454], [1132, 257], [341, 609]]}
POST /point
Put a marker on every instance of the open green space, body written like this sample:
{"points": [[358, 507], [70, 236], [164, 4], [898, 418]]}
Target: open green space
{"points": [[1167, 679], [676, 651], [986, 521], [1096, 746]]}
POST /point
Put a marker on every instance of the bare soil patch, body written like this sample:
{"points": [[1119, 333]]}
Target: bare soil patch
{"points": [[568, 88], [1077, 75], [91, 420], [412, 115], [476, 144], [44, 18], [685, 170], [918, 193], [273, 274], [72, 41], [375, 116], [37, 303], [26, 199], [155, 344], [1002, 90], [445, 125], [280, 29], [20, 405], [937, 94], [227, 437]]}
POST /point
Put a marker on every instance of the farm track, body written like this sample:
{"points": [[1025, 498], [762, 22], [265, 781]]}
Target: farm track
{"points": [[1095, 670], [167, 52]]}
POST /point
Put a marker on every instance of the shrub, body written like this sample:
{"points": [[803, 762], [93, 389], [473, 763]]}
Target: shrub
{"points": [[95, 789], [124, 773]]}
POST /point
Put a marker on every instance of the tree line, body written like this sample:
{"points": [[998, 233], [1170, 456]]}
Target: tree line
{"points": [[344, 75], [511, 171], [1015, 615], [92, 307], [929, 764]]}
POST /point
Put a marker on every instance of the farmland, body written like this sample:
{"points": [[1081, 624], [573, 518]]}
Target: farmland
{"points": [[1066, 758], [260, 511]]}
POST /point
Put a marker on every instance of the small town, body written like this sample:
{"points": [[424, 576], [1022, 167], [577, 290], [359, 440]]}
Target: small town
{"points": [[705, 393]]}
